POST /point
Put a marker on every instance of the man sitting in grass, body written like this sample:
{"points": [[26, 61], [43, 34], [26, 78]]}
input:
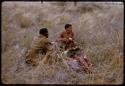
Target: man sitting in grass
{"points": [[66, 38], [76, 59], [41, 44]]}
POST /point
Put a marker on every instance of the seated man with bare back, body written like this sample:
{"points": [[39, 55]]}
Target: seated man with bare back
{"points": [[66, 38]]}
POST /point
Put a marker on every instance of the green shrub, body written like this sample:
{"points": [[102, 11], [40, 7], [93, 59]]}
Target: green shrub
{"points": [[25, 22], [46, 23], [5, 25]]}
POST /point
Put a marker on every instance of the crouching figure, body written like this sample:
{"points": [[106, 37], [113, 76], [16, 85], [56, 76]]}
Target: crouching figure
{"points": [[78, 61], [40, 44]]}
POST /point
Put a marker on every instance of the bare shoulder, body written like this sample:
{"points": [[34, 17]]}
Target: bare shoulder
{"points": [[62, 33]]}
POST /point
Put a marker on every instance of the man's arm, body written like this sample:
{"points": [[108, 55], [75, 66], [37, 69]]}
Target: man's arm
{"points": [[72, 36]]}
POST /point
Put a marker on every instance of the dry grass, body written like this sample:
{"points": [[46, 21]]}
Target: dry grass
{"points": [[24, 22], [98, 30]]}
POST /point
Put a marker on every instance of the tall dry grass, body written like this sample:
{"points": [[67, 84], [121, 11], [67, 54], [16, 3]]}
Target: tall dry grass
{"points": [[98, 29]]}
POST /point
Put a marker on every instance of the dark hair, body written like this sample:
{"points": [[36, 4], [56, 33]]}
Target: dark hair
{"points": [[43, 31], [67, 26]]}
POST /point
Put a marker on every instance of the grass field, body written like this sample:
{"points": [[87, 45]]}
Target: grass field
{"points": [[98, 29]]}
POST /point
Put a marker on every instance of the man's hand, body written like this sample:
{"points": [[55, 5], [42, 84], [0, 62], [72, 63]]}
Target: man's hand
{"points": [[53, 42], [70, 39], [64, 39]]}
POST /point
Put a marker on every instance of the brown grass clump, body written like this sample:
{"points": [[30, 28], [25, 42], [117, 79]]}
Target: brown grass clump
{"points": [[23, 21]]}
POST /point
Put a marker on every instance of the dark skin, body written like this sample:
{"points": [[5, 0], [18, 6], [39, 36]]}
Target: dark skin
{"points": [[46, 35], [67, 38], [68, 31]]}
